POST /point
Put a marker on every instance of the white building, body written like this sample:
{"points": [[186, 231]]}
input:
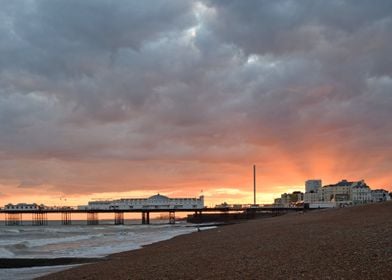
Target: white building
{"points": [[278, 202], [361, 194], [312, 191], [154, 202], [311, 197], [336, 192], [380, 195], [312, 186], [23, 207], [289, 199], [341, 193]]}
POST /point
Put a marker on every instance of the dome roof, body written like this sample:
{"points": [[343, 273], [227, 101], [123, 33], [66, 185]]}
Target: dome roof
{"points": [[158, 197]]}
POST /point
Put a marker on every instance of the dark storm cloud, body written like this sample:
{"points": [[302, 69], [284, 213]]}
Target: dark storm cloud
{"points": [[51, 36], [340, 45], [287, 26], [209, 81]]}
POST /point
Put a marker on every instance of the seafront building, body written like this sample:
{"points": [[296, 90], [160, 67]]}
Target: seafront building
{"points": [[312, 186], [343, 193], [380, 195], [154, 202], [289, 199]]}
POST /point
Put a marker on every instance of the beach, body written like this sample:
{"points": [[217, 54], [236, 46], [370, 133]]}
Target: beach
{"points": [[345, 243], [43, 247]]}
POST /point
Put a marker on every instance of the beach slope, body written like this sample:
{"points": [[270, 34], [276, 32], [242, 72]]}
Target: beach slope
{"points": [[346, 243]]}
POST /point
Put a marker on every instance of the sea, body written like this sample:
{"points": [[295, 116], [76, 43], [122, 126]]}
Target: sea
{"points": [[78, 240]]}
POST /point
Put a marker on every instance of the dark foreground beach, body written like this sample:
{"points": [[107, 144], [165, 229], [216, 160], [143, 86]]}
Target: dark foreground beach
{"points": [[29, 262], [347, 243]]}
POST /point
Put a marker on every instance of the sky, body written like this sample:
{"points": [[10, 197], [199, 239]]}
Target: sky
{"points": [[109, 99]]}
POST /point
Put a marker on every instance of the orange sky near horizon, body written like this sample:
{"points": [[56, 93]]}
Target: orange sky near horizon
{"points": [[230, 183]]}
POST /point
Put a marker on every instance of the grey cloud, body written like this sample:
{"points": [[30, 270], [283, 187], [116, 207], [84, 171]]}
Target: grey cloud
{"points": [[285, 26], [51, 36], [30, 184], [127, 81], [111, 25]]}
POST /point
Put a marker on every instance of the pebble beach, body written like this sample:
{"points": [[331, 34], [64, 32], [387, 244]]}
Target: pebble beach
{"points": [[345, 243]]}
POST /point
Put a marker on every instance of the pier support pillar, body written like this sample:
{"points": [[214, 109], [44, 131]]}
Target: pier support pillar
{"points": [[66, 218], [172, 217], [197, 214], [92, 218], [118, 218], [13, 219], [145, 218], [39, 219]]}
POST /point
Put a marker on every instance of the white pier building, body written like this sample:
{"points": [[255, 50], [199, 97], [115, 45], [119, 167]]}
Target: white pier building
{"points": [[158, 201], [23, 207]]}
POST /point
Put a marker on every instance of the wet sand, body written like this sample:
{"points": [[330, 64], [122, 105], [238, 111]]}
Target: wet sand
{"points": [[347, 243]]}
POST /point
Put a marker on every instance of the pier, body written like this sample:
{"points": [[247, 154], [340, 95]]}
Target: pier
{"points": [[40, 217], [158, 203]]}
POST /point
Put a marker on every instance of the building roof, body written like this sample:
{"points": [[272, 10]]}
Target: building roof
{"points": [[342, 183], [345, 183], [158, 197]]}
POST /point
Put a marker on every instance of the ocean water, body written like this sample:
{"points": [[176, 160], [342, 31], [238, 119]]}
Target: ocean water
{"points": [[77, 240]]}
